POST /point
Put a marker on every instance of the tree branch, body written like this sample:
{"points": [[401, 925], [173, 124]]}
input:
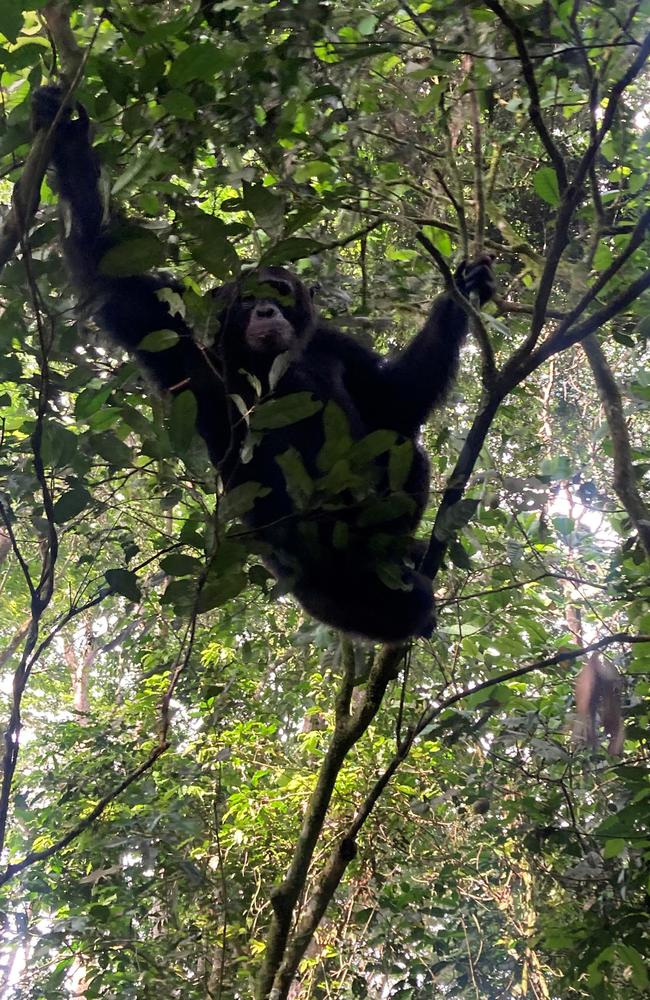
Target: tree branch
{"points": [[348, 730], [570, 199], [534, 106], [624, 479]]}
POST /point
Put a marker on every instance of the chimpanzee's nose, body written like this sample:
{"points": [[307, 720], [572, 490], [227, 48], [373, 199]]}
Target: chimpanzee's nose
{"points": [[265, 311]]}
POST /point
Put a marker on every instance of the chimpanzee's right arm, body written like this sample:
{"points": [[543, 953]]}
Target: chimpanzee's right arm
{"points": [[128, 308]]}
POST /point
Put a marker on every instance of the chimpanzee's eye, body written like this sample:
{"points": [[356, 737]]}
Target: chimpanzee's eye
{"points": [[281, 287]]}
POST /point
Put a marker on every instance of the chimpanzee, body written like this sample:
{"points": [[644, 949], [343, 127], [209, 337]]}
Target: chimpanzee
{"points": [[344, 482]]}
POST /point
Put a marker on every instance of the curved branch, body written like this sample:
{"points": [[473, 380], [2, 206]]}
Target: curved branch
{"points": [[534, 106], [624, 479], [348, 729]]}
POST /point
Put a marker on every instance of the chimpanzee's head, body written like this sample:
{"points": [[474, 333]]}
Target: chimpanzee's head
{"points": [[269, 311]]}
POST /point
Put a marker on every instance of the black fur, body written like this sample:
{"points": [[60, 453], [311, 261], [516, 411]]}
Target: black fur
{"points": [[349, 557]]}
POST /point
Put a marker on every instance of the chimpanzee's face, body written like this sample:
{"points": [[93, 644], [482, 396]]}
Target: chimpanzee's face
{"points": [[273, 310]]}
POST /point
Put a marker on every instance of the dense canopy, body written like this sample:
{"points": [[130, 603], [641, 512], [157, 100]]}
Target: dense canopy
{"points": [[205, 792]]}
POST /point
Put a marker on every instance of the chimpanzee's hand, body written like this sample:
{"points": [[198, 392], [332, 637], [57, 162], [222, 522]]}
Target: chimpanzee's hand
{"points": [[477, 276], [46, 102]]}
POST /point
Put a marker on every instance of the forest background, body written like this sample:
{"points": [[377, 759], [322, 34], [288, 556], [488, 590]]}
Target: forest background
{"points": [[239, 801]]}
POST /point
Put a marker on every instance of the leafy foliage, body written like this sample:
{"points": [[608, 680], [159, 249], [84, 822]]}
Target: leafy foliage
{"points": [[502, 859]]}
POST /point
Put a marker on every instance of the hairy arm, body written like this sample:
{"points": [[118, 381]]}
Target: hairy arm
{"points": [[419, 377], [127, 308]]}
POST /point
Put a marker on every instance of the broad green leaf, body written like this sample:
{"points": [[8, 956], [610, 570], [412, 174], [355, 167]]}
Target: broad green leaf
{"points": [[371, 446], [132, 256], [124, 582], [400, 463], [219, 590], [240, 500], [603, 257], [265, 205], [182, 420], [70, 504], [367, 24], [178, 564], [200, 61], [459, 556], [275, 413], [217, 256], [440, 239], [11, 18], [181, 594], [300, 486], [338, 439], [558, 467], [90, 401], [291, 249], [546, 186], [59, 445], [179, 105], [314, 170], [386, 509], [113, 450], [159, 340]]}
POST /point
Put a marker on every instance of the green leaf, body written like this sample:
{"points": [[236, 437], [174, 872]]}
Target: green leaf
{"points": [[300, 486], [314, 170], [219, 590], [179, 105], [240, 500], [217, 256], [400, 462], [338, 439], [70, 504], [178, 564], [181, 594], [340, 477], [603, 257], [113, 450], [182, 420], [11, 19], [265, 205], [291, 249], [440, 239], [367, 24], [386, 509], [614, 847], [200, 61], [459, 556], [371, 447], [226, 577], [546, 186], [159, 340], [282, 412], [90, 401], [132, 256], [59, 445], [124, 582]]}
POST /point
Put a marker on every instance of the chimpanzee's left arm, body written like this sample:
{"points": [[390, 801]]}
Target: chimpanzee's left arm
{"points": [[417, 379]]}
